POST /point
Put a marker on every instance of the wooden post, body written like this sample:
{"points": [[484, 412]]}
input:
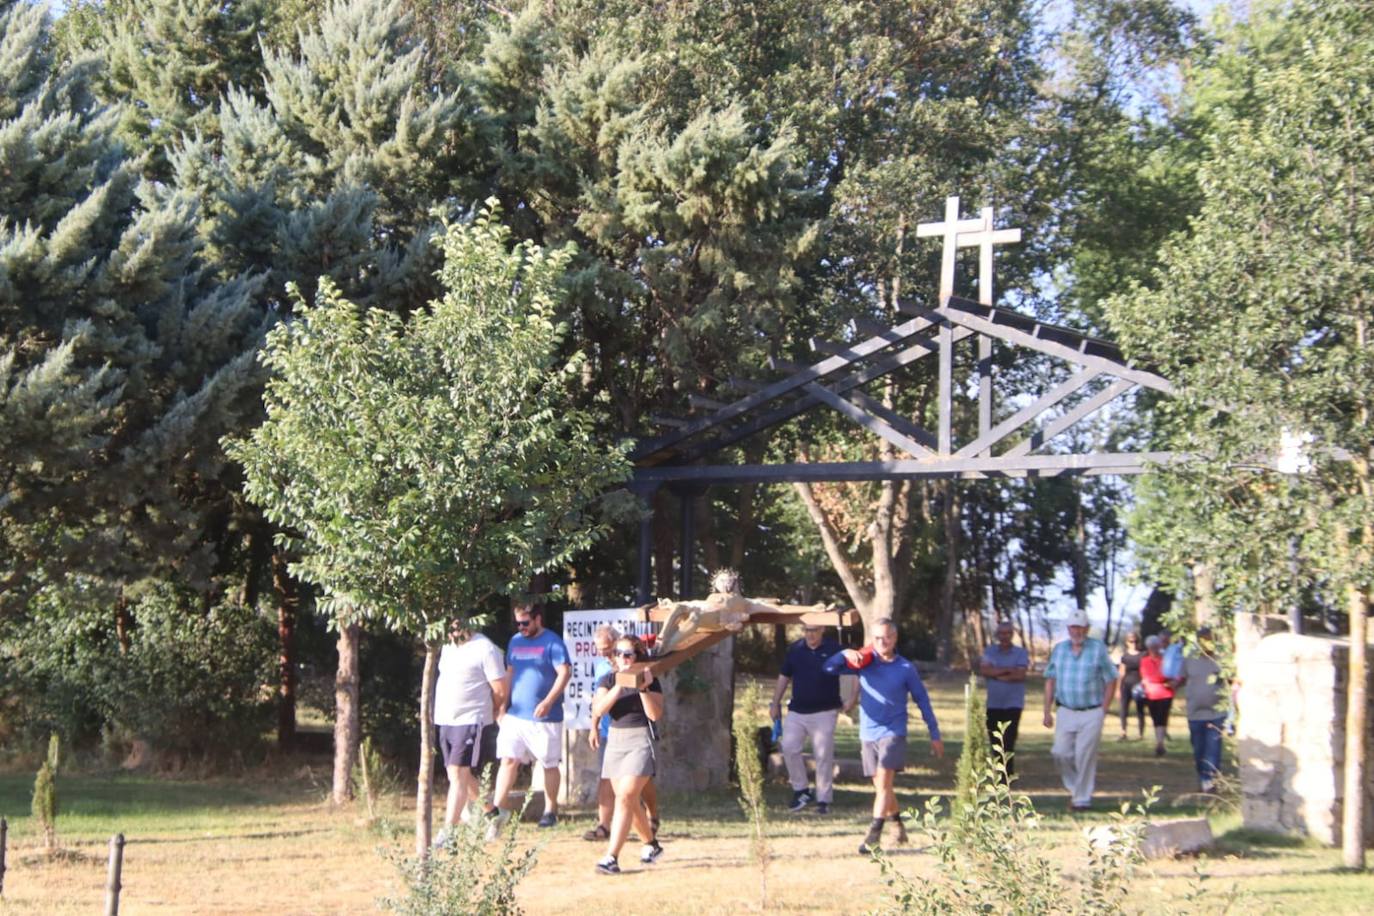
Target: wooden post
{"points": [[112, 885], [4, 837], [689, 542]]}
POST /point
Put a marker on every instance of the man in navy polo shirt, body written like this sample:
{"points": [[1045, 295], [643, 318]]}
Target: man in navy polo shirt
{"points": [[812, 711], [885, 681]]}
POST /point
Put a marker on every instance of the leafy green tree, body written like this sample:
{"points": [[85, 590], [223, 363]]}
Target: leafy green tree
{"points": [[1260, 316], [431, 461]]}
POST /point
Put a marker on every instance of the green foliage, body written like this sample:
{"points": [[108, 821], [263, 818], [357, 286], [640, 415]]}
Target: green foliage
{"points": [[190, 684], [54, 757], [987, 861], [121, 361], [168, 64], [464, 875], [976, 755], [749, 770], [44, 806], [430, 461], [1282, 255]]}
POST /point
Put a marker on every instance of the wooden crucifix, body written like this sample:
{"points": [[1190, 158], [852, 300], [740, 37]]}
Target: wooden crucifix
{"points": [[691, 627]]}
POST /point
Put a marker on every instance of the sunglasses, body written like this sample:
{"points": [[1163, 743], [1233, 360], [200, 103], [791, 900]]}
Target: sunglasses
{"points": [[625, 653], [523, 623]]}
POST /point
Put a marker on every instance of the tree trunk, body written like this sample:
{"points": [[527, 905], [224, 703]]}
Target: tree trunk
{"points": [[287, 592], [835, 551], [123, 622], [1080, 550], [346, 713], [424, 787]]}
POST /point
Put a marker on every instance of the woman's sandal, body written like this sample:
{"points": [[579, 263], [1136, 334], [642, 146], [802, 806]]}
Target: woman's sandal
{"points": [[600, 832]]}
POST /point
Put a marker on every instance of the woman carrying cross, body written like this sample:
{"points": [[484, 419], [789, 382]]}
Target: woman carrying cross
{"points": [[630, 762]]}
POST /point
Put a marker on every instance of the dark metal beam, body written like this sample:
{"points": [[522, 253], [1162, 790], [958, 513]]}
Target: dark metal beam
{"points": [[1069, 418], [995, 466], [820, 370], [893, 419], [1023, 416], [674, 422], [746, 385], [704, 403], [1052, 348], [875, 370], [868, 421]]}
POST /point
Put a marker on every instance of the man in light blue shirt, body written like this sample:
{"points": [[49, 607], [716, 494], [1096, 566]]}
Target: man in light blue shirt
{"points": [[885, 681], [1004, 666], [1081, 681]]}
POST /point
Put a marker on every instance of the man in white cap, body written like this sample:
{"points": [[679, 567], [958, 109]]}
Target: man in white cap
{"points": [[1081, 681]]}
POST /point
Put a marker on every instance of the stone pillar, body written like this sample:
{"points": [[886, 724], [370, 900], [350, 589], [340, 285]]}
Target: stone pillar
{"points": [[699, 700], [1291, 734], [694, 750]]}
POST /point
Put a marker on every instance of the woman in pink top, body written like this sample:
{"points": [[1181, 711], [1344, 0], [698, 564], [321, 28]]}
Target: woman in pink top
{"points": [[1159, 690]]}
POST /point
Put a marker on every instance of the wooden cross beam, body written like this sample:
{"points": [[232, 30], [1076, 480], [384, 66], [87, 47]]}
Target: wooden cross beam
{"points": [[641, 674]]}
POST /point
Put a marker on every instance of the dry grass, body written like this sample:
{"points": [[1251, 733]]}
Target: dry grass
{"points": [[269, 844]]}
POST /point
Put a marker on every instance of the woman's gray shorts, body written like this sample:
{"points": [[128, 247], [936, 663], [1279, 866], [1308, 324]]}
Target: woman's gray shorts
{"points": [[629, 752]]}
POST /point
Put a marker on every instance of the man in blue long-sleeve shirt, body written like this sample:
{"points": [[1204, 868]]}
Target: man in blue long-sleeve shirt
{"points": [[885, 681]]}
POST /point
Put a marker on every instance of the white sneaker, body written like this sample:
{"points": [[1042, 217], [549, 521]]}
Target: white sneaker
{"points": [[649, 853], [441, 837], [496, 822]]}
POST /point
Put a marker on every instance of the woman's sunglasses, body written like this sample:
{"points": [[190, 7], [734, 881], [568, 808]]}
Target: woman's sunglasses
{"points": [[625, 653]]}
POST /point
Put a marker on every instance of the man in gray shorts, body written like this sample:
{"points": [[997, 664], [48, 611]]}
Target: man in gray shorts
{"points": [[470, 689], [885, 681]]}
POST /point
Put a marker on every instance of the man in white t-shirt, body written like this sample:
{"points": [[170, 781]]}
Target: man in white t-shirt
{"points": [[470, 690]]}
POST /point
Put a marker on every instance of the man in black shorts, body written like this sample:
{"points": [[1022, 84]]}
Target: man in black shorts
{"points": [[471, 688]]}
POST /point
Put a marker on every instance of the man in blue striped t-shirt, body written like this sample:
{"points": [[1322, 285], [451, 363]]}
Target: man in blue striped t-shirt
{"points": [[1081, 681], [885, 681]]}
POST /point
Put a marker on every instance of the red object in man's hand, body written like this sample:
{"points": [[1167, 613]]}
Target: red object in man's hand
{"points": [[865, 656]]}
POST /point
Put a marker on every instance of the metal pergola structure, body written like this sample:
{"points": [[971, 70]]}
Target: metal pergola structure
{"points": [[1099, 375]]}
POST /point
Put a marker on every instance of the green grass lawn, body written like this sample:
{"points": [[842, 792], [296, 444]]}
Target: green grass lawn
{"points": [[267, 842]]}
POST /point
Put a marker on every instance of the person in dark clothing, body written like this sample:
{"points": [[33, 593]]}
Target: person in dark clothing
{"points": [[630, 761], [812, 713], [1005, 666], [1130, 679]]}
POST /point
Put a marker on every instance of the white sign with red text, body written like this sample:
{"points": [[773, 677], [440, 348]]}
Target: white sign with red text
{"points": [[579, 630]]}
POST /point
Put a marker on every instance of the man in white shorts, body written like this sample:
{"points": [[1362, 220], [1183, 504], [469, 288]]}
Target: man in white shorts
{"points": [[537, 670], [470, 691]]}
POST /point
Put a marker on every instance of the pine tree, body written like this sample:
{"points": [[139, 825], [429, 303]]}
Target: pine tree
{"points": [[169, 63], [119, 354]]}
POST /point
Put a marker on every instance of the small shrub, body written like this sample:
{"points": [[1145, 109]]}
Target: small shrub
{"points": [[750, 772], [44, 807], [464, 875], [976, 755], [987, 862]]}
